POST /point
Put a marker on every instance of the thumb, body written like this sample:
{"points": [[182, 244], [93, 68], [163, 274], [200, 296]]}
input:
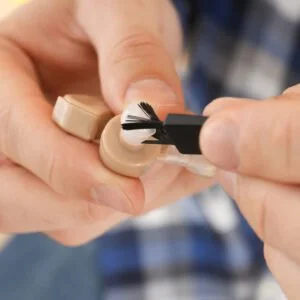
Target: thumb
{"points": [[134, 62], [259, 139]]}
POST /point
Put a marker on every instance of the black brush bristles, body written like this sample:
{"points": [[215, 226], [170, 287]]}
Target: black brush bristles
{"points": [[149, 111], [152, 122], [141, 125], [136, 122], [162, 137]]}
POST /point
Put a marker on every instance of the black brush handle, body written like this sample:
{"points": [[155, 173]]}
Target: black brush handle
{"points": [[184, 130]]}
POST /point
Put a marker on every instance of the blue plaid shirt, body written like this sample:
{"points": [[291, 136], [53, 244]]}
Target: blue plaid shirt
{"points": [[241, 48]]}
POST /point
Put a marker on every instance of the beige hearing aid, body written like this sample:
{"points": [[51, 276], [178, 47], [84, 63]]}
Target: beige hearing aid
{"points": [[90, 119], [131, 142], [81, 115]]}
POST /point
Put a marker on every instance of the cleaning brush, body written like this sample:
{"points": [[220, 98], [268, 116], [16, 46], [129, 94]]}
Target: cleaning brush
{"points": [[179, 130]]}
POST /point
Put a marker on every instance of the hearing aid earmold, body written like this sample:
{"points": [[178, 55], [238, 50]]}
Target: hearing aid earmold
{"points": [[90, 119], [131, 142], [124, 158]]}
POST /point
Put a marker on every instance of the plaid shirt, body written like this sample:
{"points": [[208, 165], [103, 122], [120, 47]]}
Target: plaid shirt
{"points": [[189, 250]]}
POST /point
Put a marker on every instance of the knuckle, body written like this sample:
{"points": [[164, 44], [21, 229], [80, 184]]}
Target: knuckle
{"points": [[53, 168], [58, 170], [89, 214], [135, 46], [92, 214], [283, 139]]}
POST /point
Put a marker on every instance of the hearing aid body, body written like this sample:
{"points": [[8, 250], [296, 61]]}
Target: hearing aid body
{"points": [[130, 143], [81, 115], [90, 119]]}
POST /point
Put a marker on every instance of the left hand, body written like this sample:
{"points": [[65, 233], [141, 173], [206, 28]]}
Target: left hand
{"points": [[53, 182], [256, 146]]}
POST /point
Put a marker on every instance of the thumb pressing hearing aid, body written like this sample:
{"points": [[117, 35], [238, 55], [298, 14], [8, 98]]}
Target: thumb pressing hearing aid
{"points": [[132, 142]]}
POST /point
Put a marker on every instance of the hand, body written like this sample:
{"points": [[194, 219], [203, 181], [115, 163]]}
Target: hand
{"points": [[257, 147], [53, 182]]}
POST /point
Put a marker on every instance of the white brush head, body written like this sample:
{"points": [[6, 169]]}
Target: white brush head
{"points": [[135, 137]]}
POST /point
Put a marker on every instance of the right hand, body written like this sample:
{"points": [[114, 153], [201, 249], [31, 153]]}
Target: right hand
{"points": [[56, 47]]}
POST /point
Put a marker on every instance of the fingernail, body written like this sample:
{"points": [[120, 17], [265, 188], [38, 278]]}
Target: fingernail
{"points": [[216, 106], [112, 197], [228, 181], [152, 91], [219, 138], [225, 103], [213, 107]]}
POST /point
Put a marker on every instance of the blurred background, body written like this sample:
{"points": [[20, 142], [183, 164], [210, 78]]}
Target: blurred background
{"points": [[7, 5]]}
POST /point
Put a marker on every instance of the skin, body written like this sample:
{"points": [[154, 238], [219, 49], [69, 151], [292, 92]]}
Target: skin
{"points": [[259, 167], [125, 49], [128, 51]]}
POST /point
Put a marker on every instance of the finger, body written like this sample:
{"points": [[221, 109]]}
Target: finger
{"points": [[272, 210], [158, 196], [257, 140], [293, 91], [286, 272], [180, 183], [134, 61], [28, 205], [221, 104], [154, 192], [29, 137]]}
